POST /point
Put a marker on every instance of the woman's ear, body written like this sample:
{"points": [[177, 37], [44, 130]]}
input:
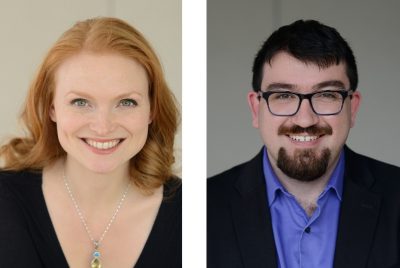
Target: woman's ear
{"points": [[53, 116]]}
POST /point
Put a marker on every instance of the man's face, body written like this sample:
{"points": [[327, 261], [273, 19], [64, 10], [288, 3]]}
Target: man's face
{"points": [[304, 146]]}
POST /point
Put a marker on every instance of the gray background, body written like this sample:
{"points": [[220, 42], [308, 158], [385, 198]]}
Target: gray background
{"points": [[29, 28], [235, 31]]}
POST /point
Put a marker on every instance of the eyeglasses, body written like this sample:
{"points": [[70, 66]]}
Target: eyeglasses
{"points": [[286, 103]]}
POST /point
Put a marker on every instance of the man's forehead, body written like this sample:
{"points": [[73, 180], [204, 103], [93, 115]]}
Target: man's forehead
{"points": [[286, 69]]}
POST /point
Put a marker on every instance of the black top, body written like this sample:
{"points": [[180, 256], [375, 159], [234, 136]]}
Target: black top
{"points": [[28, 238]]}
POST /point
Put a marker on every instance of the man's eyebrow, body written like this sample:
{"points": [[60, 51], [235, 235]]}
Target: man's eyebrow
{"points": [[285, 86], [280, 86], [331, 83]]}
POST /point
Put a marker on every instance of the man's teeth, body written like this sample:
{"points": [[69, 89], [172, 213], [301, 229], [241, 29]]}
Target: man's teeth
{"points": [[304, 138], [102, 145]]}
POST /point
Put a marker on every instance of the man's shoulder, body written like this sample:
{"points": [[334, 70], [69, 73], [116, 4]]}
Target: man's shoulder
{"points": [[382, 167], [226, 181], [384, 174], [371, 163], [226, 175]]}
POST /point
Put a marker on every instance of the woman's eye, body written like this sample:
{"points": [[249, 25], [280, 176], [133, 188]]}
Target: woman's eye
{"points": [[80, 102], [127, 102]]}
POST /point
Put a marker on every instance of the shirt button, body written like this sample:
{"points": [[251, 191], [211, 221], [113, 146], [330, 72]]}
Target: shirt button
{"points": [[307, 230]]}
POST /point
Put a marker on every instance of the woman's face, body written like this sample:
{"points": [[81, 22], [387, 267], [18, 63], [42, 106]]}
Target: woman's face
{"points": [[102, 109]]}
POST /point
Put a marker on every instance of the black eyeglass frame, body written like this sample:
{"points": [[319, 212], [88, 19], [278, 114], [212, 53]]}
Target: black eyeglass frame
{"points": [[344, 93]]}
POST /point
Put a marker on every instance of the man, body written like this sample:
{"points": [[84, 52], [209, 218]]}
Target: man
{"points": [[306, 200]]}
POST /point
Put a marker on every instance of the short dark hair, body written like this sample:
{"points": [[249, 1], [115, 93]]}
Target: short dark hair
{"points": [[311, 42]]}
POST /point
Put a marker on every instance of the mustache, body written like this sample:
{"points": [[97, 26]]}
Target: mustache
{"points": [[312, 130]]}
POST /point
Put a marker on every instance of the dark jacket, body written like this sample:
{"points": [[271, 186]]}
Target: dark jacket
{"points": [[239, 226]]}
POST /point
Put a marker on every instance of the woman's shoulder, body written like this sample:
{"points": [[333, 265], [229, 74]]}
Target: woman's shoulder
{"points": [[17, 181], [18, 206], [28, 177], [16, 190]]}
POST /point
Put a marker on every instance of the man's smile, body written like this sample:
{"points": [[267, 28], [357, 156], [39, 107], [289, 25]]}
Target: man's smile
{"points": [[301, 138]]}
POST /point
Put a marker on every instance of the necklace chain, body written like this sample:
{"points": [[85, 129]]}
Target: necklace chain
{"points": [[82, 218]]}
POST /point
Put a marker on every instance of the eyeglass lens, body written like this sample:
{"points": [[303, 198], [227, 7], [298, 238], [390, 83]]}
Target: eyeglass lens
{"points": [[286, 103]]}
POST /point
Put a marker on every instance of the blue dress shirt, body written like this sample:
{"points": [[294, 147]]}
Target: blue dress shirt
{"points": [[302, 241]]}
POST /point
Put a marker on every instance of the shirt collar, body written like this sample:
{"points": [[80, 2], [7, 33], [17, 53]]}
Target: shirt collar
{"points": [[273, 185]]}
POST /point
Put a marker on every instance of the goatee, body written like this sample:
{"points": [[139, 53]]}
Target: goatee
{"points": [[305, 164]]}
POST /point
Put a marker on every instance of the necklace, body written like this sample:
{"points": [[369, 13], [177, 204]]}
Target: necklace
{"points": [[96, 262]]}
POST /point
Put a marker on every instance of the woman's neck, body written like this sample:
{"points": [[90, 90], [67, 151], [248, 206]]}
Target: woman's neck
{"points": [[92, 188]]}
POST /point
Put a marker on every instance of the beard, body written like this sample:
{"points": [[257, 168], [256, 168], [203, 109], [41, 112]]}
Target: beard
{"points": [[305, 165]]}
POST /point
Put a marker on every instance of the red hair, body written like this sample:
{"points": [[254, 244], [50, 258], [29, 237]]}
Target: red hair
{"points": [[152, 166]]}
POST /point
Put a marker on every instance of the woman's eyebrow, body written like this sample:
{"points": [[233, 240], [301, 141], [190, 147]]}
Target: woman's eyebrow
{"points": [[86, 95], [78, 93], [130, 93]]}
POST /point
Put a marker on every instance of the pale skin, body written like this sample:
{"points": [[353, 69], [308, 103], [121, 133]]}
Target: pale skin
{"points": [[107, 84], [303, 78]]}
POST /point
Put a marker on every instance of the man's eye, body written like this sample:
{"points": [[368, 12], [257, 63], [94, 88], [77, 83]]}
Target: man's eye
{"points": [[80, 102], [329, 95], [283, 96], [127, 103]]}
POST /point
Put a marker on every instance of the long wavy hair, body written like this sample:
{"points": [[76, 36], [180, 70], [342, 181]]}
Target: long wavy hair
{"points": [[152, 166]]}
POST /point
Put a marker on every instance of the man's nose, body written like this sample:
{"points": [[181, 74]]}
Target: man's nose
{"points": [[305, 116]]}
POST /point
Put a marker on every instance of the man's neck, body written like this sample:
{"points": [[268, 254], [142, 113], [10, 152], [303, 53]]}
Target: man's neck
{"points": [[305, 192]]}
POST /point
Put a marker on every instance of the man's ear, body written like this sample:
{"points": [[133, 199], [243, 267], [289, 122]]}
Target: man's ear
{"points": [[253, 101], [355, 105]]}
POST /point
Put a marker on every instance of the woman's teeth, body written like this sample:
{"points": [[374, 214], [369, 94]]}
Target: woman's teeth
{"points": [[102, 145]]}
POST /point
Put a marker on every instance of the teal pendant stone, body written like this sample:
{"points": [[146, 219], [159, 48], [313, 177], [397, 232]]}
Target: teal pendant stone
{"points": [[96, 254]]}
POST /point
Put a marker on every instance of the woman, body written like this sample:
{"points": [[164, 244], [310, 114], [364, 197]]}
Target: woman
{"points": [[92, 184]]}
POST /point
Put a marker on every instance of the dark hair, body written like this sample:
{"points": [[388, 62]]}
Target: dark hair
{"points": [[310, 42]]}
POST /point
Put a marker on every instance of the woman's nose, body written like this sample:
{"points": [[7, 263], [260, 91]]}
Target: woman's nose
{"points": [[103, 122]]}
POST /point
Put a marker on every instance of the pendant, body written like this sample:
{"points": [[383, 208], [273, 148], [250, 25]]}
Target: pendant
{"points": [[96, 263]]}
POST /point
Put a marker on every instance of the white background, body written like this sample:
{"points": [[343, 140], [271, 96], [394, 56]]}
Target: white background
{"points": [[29, 28]]}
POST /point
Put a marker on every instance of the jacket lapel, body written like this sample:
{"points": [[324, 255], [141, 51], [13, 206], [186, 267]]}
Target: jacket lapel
{"points": [[358, 215], [251, 217]]}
